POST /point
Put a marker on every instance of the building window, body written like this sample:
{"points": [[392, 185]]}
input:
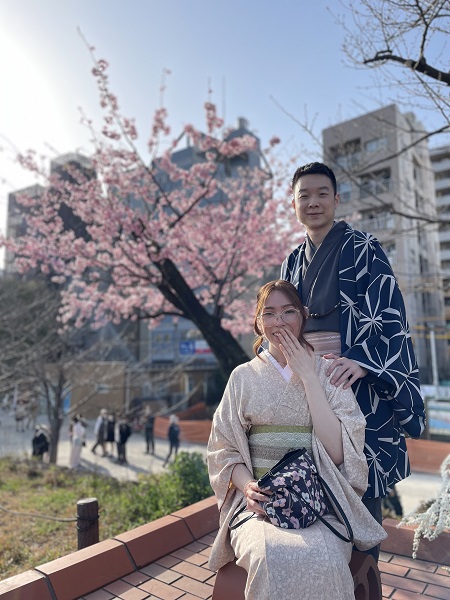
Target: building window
{"points": [[348, 154], [391, 252], [442, 175], [417, 173], [375, 183], [344, 189], [376, 221], [102, 388], [380, 143]]}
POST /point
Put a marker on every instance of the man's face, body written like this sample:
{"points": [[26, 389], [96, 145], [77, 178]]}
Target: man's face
{"points": [[315, 203]]}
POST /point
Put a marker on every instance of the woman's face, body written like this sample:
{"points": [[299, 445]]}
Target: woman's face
{"points": [[276, 304]]}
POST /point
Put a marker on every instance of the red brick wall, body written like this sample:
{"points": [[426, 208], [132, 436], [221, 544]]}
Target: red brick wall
{"points": [[426, 456]]}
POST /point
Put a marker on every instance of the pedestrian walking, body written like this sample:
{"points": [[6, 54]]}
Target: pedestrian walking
{"points": [[174, 437], [100, 431], [78, 441], [149, 424], [40, 443], [123, 432], [32, 413], [19, 415], [5, 403], [111, 433]]}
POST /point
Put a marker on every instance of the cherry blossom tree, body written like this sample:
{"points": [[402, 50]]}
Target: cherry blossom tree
{"points": [[158, 238]]}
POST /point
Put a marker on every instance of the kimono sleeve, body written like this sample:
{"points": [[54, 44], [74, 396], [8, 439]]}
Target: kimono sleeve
{"points": [[354, 467], [228, 443], [381, 341]]}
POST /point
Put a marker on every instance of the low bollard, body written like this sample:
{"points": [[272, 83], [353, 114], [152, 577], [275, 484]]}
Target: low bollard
{"points": [[87, 522]]}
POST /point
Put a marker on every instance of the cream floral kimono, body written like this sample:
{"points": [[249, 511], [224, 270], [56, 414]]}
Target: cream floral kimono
{"points": [[292, 564]]}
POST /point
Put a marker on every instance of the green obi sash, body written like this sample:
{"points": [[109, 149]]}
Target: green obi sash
{"points": [[269, 443]]}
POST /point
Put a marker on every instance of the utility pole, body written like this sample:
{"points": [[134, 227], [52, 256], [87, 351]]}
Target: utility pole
{"points": [[433, 356]]}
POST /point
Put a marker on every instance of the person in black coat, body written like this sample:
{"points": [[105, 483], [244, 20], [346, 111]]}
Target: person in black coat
{"points": [[174, 437], [111, 432], [39, 443], [100, 431], [149, 424], [123, 432]]}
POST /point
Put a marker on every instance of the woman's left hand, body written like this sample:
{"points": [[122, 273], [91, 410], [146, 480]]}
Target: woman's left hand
{"points": [[254, 497], [301, 360]]}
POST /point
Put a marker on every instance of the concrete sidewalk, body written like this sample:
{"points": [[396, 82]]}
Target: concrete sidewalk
{"points": [[412, 491], [19, 443]]}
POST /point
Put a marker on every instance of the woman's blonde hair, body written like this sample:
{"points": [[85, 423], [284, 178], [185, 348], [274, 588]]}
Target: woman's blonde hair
{"points": [[291, 292]]}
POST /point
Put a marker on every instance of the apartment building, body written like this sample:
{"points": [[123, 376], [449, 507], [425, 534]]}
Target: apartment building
{"points": [[15, 221], [67, 167], [386, 185], [440, 160]]}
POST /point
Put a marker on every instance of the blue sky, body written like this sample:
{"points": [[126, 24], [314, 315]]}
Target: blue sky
{"points": [[246, 51]]}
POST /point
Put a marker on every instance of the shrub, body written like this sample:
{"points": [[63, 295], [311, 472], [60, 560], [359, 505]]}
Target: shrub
{"points": [[51, 493], [187, 480]]}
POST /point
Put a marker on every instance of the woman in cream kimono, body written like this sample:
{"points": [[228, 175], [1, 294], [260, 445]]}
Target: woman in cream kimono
{"points": [[281, 400]]}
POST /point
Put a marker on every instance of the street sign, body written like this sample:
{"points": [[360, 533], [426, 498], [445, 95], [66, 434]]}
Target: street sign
{"points": [[187, 347]]}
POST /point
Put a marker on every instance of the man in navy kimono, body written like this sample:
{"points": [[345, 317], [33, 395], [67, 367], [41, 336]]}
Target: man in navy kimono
{"points": [[357, 319]]}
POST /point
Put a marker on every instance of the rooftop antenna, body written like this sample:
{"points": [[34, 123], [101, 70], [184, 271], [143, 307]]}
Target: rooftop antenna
{"points": [[209, 89]]}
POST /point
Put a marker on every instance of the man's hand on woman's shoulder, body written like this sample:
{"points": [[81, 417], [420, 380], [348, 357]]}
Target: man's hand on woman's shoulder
{"points": [[344, 370]]}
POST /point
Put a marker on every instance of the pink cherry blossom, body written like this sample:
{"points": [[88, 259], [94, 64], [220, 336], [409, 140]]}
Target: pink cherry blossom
{"points": [[159, 238]]}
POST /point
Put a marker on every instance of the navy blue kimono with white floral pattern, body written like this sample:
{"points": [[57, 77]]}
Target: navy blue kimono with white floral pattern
{"points": [[375, 334]]}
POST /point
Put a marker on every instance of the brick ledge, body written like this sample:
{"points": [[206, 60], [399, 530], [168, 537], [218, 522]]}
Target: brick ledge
{"points": [[132, 553], [400, 541], [84, 571]]}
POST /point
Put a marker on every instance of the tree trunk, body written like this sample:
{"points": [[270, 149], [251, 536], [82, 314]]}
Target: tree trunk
{"points": [[55, 428], [226, 349], [55, 417]]}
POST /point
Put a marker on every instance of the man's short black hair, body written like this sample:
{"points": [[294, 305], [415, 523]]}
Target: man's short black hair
{"points": [[315, 168]]}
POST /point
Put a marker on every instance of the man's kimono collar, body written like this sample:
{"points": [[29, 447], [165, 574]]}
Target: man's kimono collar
{"points": [[335, 233]]}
